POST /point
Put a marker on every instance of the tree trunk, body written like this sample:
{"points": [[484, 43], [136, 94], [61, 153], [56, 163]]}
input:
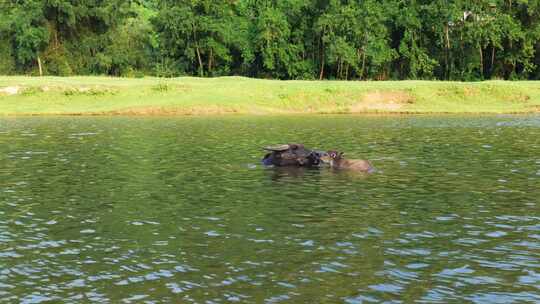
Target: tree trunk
{"points": [[210, 59], [462, 51], [363, 65], [39, 66], [195, 40], [56, 43], [201, 68], [492, 60], [321, 74], [447, 53], [338, 73], [481, 62]]}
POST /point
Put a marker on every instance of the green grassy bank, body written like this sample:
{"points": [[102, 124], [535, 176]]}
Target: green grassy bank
{"points": [[21, 95]]}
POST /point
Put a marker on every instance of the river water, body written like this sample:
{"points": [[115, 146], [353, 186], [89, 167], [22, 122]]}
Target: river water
{"points": [[179, 210]]}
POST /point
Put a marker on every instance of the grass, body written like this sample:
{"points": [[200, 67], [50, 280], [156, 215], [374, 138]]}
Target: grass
{"points": [[199, 96]]}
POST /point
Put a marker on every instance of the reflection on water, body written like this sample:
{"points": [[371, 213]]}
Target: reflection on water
{"points": [[179, 210]]}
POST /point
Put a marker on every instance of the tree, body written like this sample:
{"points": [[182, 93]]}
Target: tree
{"points": [[200, 34], [49, 32], [283, 39]]}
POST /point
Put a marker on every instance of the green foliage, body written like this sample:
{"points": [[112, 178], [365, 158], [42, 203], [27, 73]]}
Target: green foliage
{"points": [[31, 91], [200, 36], [96, 91], [7, 61], [283, 39], [65, 35], [161, 87], [131, 48]]}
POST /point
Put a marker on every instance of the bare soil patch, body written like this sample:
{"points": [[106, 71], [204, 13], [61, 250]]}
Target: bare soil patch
{"points": [[157, 111], [383, 101], [10, 90], [534, 108], [470, 91], [519, 98]]}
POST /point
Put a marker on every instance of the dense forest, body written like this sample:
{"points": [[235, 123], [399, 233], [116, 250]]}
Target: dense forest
{"points": [[283, 39]]}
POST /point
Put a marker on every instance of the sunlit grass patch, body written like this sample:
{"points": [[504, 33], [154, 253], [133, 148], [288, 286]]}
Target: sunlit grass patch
{"points": [[21, 95]]}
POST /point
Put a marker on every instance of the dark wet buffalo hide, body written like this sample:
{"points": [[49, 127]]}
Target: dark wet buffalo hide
{"points": [[291, 155]]}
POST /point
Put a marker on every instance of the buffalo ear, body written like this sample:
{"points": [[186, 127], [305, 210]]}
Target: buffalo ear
{"points": [[341, 154]]}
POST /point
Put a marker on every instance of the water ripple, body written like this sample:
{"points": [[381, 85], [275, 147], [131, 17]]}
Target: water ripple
{"points": [[174, 210]]}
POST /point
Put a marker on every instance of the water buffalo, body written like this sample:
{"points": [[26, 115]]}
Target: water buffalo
{"points": [[337, 161], [292, 155]]}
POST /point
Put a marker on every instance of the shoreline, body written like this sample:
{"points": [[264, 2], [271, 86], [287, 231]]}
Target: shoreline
{"points": [[360, 114], [191, 96]]}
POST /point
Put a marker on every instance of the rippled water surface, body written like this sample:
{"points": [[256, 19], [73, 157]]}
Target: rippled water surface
{"points": [[160, 210]]}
